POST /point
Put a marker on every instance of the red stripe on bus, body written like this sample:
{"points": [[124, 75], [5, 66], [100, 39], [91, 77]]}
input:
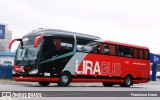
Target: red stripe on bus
{"points": [[97, 80], [35, 79]]}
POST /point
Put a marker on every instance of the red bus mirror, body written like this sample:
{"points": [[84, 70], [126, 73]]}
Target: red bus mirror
{"points": [[37, 40], [13, 42]]}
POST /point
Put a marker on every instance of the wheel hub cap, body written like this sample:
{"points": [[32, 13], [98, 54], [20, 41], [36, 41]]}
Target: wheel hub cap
{"points": [[65, 79], [128, 81]]}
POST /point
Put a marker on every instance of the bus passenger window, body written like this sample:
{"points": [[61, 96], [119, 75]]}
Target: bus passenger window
{"points": [[67, 45], [88, 46], [101, 48], [57, 43], [124, 51], [82, 45], [63, 45], [112, 49], [120, 51], [106, 49], [146, 54], [94, 50], [135, 53], [140, 54]]}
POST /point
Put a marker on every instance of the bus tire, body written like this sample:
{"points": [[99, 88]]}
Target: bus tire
{"points": [[44, 83], [127, 81], [65, 79], [107, 84]]}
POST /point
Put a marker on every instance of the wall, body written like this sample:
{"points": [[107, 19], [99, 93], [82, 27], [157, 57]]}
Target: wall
{"points": [[6, 58]]}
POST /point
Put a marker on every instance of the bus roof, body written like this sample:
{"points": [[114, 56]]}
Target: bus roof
{"points": [[128, 45], [48, 32]]}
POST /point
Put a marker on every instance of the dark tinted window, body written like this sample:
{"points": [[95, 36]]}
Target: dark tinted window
{"points": [[88, 46], [103, 48], [124, 51], [112, 49], [56, 46], [63, 45], [146, 54], [140, 53], [135, 53]]}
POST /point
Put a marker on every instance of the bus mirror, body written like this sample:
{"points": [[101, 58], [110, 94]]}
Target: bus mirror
{"points": [[37, 40], [13, 42]]}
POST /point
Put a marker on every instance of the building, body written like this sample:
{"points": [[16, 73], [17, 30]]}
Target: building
{"points": [[5, 38], [6, 56]]}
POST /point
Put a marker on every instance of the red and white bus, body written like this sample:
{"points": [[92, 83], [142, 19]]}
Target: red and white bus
{"points": [[56, 56]]}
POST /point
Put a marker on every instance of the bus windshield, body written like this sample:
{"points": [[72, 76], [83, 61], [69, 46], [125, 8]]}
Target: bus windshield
{"points": [[26, 53]]}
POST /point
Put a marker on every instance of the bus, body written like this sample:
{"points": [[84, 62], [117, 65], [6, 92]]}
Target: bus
{"points": [[57, 56]]}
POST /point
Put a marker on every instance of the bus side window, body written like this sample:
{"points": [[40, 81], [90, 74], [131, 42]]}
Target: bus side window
{"points": [[141, 55], [88, 46], [106, 49], [135, 53], [95, 50], [82, 45], [124, 51], [112, 49], [101, 48], [146, 54], [131, 52], [63, 45], [67, 45], [120, 51], [57, 43]]}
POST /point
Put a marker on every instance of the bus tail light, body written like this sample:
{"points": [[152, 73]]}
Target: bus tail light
{"points": [[37, 40], [13, 42]]}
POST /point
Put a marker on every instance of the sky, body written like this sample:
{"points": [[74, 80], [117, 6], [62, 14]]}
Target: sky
{"points": [[128, 21]]}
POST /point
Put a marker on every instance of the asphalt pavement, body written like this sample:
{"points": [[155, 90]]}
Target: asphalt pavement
{"points": [[82, 90]]}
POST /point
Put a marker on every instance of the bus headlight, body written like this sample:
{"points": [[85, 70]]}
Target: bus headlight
{"points": [[35, 71]]}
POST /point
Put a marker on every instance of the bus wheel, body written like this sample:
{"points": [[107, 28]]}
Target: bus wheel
{"points": [[127, 81], [65, 79], [107, 84], [44, 83]]}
